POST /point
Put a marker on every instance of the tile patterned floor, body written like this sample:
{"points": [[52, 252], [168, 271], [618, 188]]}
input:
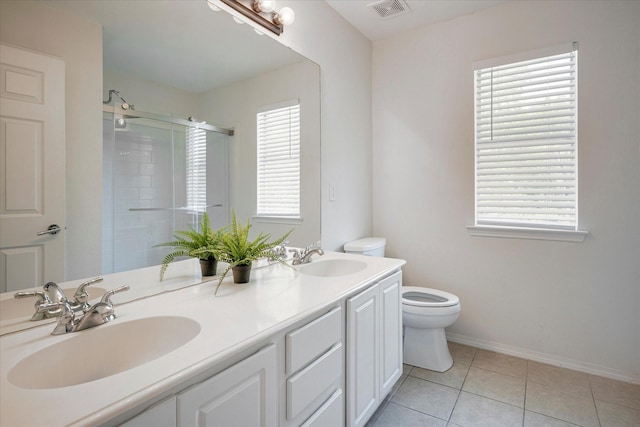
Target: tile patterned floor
{"points": [[490, 389]]}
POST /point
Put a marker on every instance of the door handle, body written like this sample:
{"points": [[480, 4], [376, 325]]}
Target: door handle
{"points": [[53, 229]]}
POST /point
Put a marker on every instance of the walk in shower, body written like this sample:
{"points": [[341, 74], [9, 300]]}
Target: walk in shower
{"points": [[159, 174]]}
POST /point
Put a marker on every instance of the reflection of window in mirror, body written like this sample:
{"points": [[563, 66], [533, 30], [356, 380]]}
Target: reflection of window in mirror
{"points": [[196, 169], [278, 148]]}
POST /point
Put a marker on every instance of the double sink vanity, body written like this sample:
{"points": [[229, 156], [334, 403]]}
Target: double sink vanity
{"points": [[315, 345]]}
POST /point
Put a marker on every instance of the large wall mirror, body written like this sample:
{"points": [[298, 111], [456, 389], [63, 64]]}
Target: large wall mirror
{"points": [[180, 59]]}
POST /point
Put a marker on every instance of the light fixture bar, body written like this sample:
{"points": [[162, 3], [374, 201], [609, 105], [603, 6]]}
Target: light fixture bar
{"points": [[255, 17]]}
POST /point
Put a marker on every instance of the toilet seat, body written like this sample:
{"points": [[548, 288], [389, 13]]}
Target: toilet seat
{"points": [[418, 296]]}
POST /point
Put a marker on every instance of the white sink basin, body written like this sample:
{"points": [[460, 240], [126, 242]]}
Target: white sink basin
{"points": [[332, 267], [102, 351], [13, 308]]}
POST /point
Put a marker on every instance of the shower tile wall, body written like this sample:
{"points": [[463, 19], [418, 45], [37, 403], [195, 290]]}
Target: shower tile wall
{"points": [[140, 171]]}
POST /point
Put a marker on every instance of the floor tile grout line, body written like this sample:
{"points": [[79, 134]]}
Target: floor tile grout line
{"points": [[420, 412], [593, 399], [491, 398], [461, 386], [553, 418]]}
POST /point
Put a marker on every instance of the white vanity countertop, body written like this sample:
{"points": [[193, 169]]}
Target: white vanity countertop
{"points": [[238, 317]]}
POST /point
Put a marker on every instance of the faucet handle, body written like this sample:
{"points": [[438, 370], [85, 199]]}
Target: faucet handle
{"points": [[314, 245], [42, 297], [81, 296], [48, 306], [66, 319], [281, 249], [106, 298], [295, 252]]}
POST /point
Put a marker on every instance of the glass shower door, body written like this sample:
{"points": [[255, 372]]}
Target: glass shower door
{"points": [[149, 187]]}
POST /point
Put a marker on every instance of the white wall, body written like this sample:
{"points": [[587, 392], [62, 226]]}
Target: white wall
{"points": [[235, 106], [150, 96], [344, 56], [576, 304], [35, 26]]}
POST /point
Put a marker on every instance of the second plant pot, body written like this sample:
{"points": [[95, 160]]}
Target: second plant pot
{"points": [[241, 273]]}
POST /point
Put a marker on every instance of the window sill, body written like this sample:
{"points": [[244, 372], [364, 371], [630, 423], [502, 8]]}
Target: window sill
{"points": [[277, 219], [527, 233]]}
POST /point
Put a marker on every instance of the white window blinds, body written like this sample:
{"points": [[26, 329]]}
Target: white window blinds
{"points": [[526, 142], [279, 161], [196, 169]]}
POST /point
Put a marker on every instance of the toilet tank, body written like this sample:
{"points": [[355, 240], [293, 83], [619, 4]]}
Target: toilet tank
{"points": [[371, 246]]}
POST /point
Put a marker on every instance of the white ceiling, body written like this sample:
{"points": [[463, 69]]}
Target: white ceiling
{"points": [[183, 44], [422, 12], [150, 39]]}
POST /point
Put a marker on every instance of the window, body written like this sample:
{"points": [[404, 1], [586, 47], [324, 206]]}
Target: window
{"points": [[196, 169], [526, 141], [279, 161]]}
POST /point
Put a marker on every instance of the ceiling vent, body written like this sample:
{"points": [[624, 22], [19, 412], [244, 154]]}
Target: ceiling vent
{"points": [[389, 8]]}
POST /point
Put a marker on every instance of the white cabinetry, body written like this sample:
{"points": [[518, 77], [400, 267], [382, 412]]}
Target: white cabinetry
{"points": [[162, 414], [374, 347], [314, 367], [242, 395], [298, 378]]}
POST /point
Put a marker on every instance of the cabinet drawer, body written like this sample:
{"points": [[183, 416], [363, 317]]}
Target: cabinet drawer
{"points": [[308, 342], [329, 414], [306, 385]]}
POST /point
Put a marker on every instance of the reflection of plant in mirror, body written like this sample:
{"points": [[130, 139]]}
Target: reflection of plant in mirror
{"points": [[235, 248], [189, 243]]}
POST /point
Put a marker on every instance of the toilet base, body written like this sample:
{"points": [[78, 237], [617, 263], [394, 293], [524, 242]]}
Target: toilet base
{"points": [[427, 348]]}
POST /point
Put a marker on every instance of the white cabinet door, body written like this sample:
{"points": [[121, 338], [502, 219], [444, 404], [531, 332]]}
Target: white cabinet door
{"points": [[374, 347], [243, 395], [162, 414], [363, 332], [391, 332]]}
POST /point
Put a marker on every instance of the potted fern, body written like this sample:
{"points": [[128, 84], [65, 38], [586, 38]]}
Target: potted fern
{"points": [[235, 248], [189, 243]]}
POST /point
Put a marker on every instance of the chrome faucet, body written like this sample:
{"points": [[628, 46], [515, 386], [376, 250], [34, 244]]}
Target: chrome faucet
{"points": [[281, 249], [99, 313], [43, 299], [304, 256], [81, 297], [54, 294]]}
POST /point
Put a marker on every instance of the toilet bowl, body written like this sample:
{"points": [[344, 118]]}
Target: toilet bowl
{"points": [[425, 314]]}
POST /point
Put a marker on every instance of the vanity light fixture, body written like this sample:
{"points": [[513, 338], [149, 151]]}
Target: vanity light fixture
{"points": [[265, 6], [284, 17], [274, 23]]}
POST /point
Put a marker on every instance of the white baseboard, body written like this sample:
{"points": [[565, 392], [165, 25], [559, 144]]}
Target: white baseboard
{"points": [[549, 359]]}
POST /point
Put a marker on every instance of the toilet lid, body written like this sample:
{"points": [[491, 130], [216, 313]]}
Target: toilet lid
{"points": [[427, 297]]}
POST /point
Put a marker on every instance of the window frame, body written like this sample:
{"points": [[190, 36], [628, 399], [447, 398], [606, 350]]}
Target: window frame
{"points": [[511, 228], [295, 138]]}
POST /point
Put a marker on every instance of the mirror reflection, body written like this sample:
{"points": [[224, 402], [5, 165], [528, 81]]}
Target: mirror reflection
{"points": [[174, 60]]}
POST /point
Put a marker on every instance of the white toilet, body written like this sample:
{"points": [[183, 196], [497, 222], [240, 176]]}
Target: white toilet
{"points": [[425, 314], [370, 246]]}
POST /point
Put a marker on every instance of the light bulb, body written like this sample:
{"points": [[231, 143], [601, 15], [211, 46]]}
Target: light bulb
{"points": [[238, 20], [213, 7], [284, 17], [264, 6]]}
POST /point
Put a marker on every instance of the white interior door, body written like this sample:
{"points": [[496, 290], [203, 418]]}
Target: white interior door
{"points": [[32, 157]]}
